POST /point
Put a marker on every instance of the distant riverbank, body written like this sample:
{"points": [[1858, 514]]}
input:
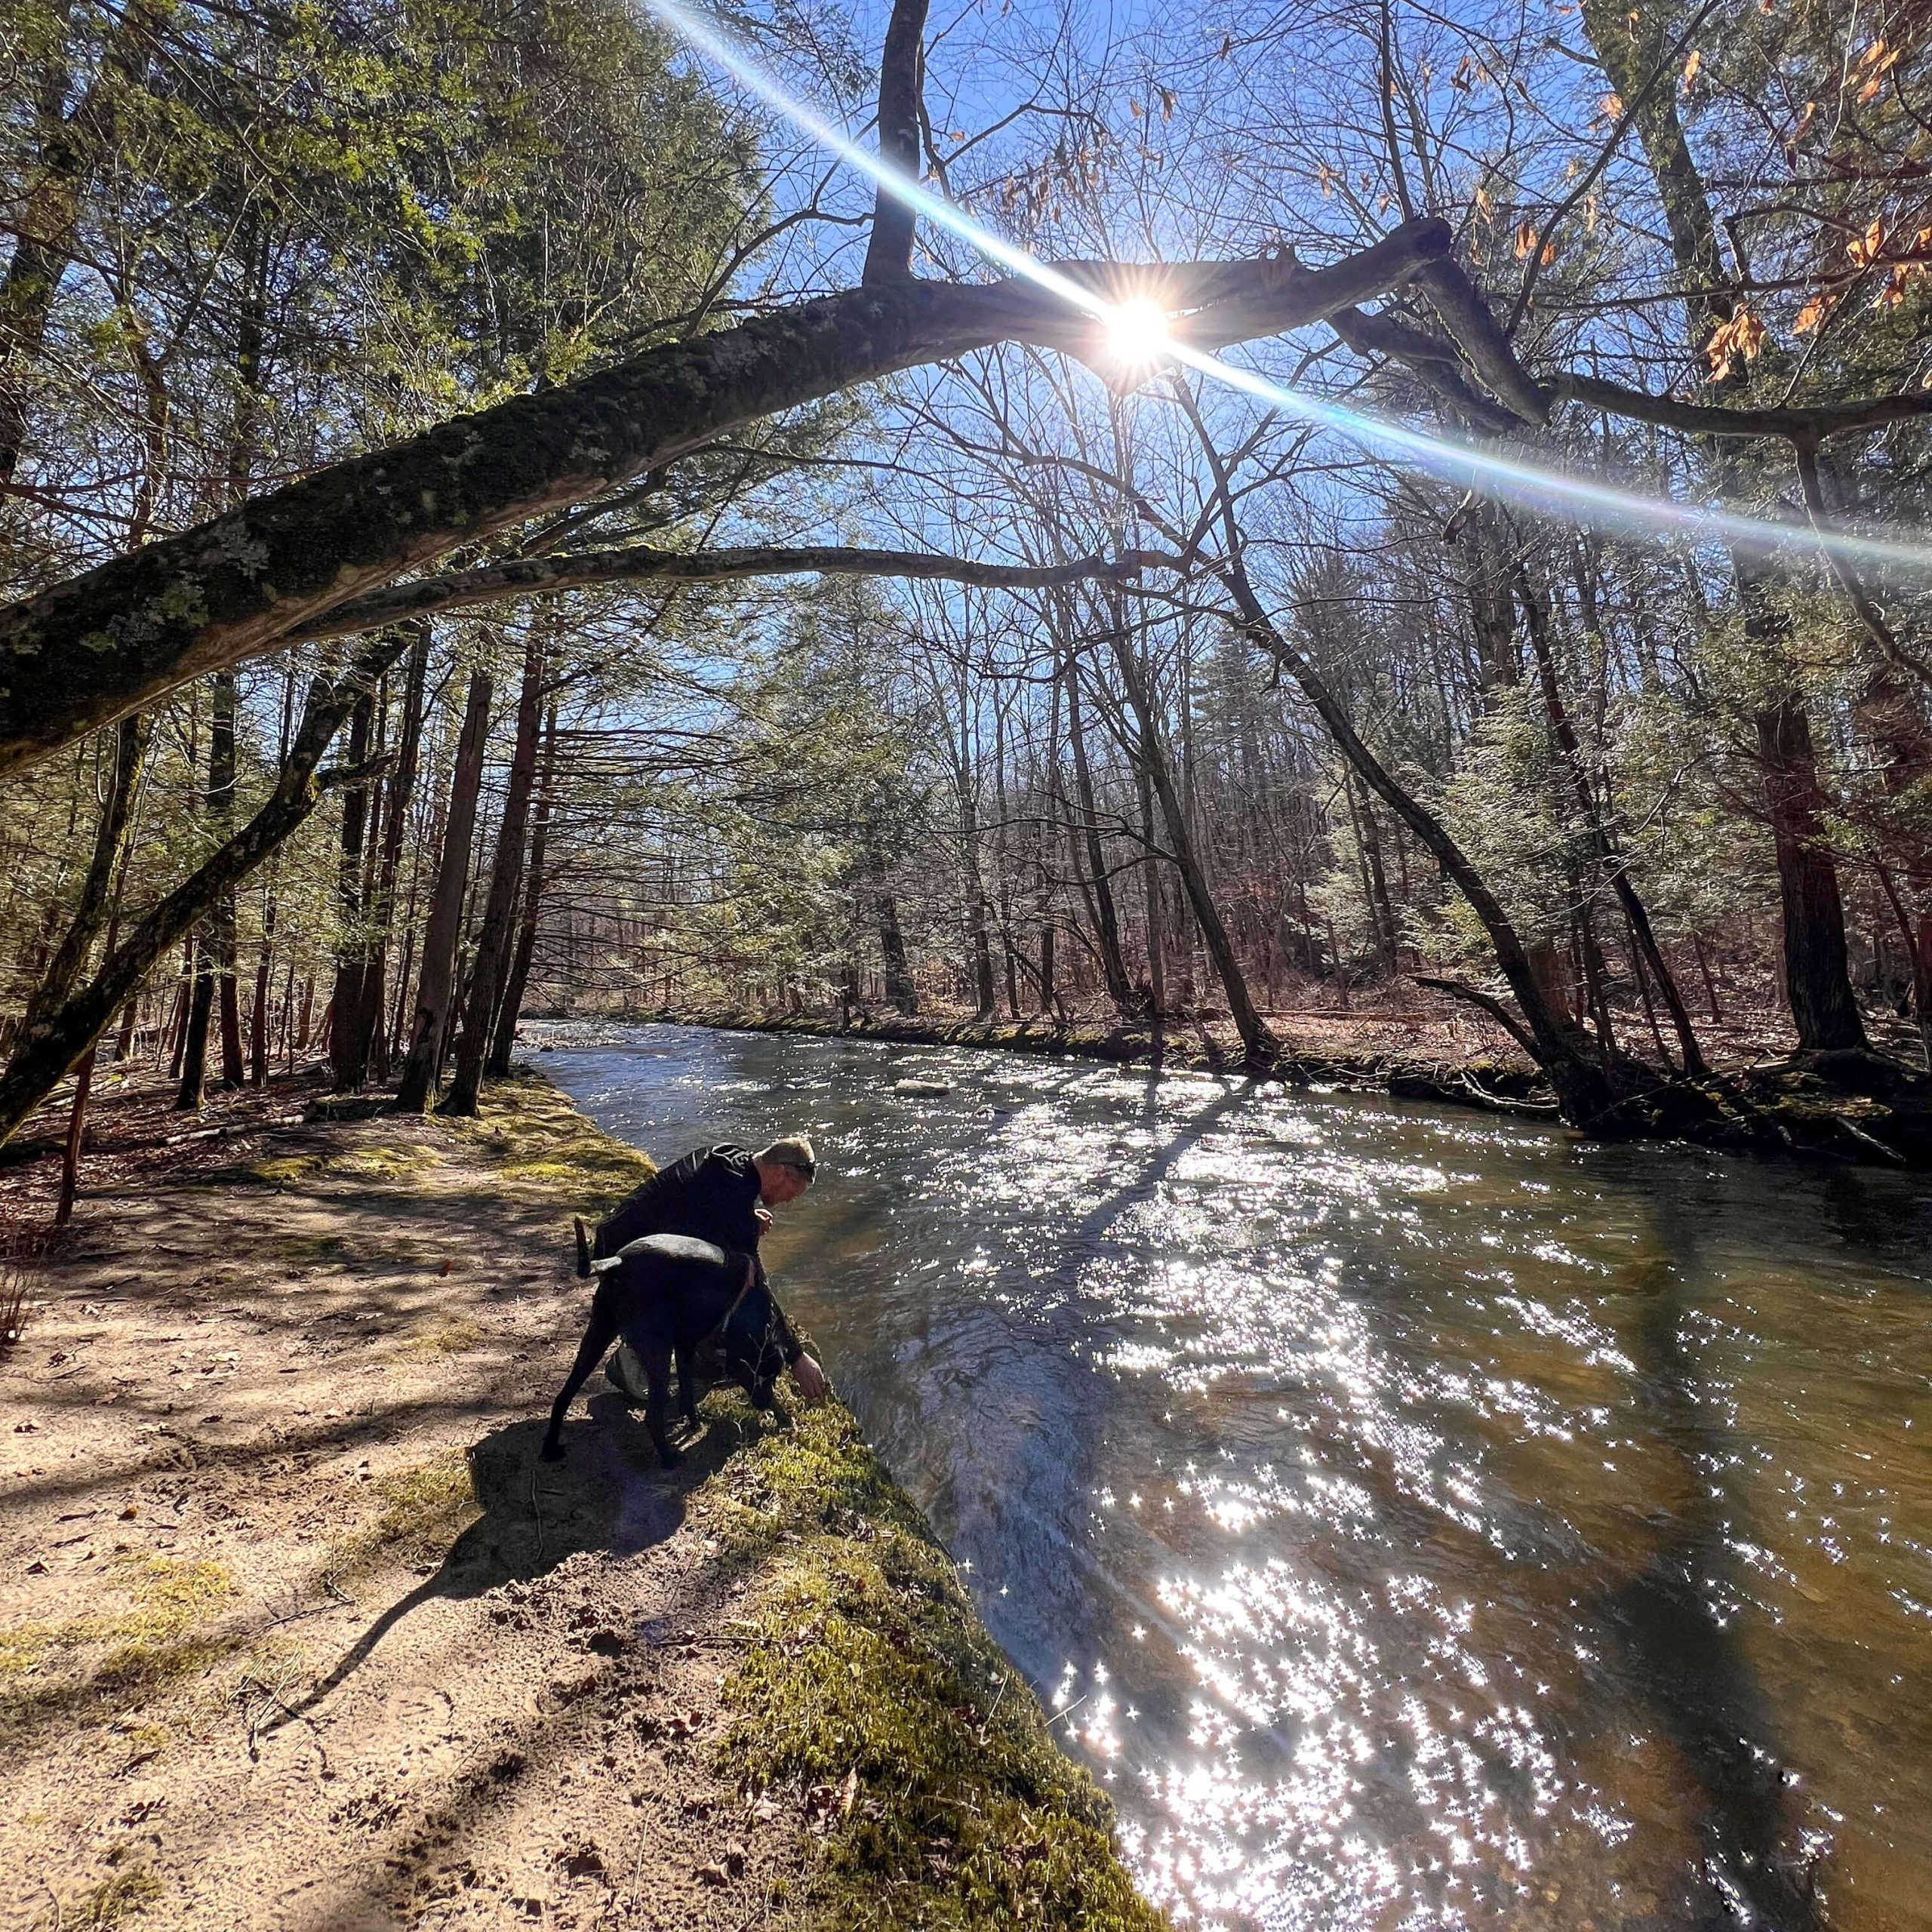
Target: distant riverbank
{"points": [[1864, 1109]]}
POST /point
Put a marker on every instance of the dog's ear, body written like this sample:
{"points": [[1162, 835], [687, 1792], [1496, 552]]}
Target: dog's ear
{"points": [[583, 1249]]}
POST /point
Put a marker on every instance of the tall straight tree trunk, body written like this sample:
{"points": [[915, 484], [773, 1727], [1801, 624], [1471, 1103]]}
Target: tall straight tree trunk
{"points": [[511, 1003], [258, 1015], [345, 1000], [495, 938], [216, 934], [1260, 1046], [368, 1052], [1816, 964], [221, 814], [430, 1026], [899, 987], [977, 921], [1106, 917]]}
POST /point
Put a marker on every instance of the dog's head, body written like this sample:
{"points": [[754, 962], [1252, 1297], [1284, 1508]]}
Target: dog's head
{"points": [[753, 1356]]}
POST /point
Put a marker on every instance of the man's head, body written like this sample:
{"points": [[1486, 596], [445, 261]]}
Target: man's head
{"points": [[785, 1169]]}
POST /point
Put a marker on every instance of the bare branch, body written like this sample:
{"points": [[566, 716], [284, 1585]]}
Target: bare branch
{"points": [[526, 577]]}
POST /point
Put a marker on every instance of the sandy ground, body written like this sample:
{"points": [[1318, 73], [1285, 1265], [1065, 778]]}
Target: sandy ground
{"points": [[294, 1629]]}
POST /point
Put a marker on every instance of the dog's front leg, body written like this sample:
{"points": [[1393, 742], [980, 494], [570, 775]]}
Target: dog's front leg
{"points": [[658, 1366], [686, 1353]]}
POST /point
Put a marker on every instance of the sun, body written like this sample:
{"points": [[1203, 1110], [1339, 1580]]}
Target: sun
{"points": [[1137, 333]]}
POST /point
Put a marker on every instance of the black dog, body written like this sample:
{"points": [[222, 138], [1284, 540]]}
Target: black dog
{"points": [[665, 1295]]}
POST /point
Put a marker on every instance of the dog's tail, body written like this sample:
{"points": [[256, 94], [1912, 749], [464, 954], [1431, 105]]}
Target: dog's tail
{"points": [[583, 1250]]}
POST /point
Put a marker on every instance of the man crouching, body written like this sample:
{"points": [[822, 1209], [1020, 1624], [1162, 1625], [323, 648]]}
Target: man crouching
{"points": [[722, 1195]]}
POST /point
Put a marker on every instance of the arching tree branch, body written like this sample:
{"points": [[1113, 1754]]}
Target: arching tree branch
{"points": [[79, 655]]}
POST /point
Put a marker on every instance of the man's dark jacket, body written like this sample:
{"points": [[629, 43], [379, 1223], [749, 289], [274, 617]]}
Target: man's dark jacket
{"points": [[710, 1194]]}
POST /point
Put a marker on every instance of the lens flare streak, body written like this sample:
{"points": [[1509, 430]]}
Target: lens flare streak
{"points": [[1465, 465]]}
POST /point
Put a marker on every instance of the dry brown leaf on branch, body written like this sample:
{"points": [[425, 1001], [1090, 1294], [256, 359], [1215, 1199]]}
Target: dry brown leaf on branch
{"points": [[1813, 312], [1869, 246], [1732, 342], [1690, 67], [1878, 61]]}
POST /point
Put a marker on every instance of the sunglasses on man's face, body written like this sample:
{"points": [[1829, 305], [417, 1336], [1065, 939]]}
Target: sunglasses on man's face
{"points": [[807, 1168]]}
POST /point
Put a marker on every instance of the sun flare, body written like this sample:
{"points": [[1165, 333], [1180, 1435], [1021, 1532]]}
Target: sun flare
{"points": [[1138, 332]]}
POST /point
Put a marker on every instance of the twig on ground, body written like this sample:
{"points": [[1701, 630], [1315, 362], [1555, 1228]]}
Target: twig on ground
{"points": [[272, 1699]]}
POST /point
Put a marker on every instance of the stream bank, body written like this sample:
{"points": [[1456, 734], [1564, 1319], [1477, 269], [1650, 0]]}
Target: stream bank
{"points": [[1866, 1109], [295, 1631]]}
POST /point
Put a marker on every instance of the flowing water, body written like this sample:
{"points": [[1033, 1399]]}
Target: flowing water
{"points": [[1418, 1519]]}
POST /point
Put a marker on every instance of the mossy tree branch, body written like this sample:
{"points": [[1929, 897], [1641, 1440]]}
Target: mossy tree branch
{"points": [[524, 577], [121, 636]]}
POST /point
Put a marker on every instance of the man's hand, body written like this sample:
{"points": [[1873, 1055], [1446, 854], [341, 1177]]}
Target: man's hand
{"points": [[810, 1379], [763, 1217]]}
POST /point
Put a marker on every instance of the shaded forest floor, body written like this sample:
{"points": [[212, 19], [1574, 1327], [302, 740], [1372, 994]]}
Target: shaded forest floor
{"points": [[296, 1631]]}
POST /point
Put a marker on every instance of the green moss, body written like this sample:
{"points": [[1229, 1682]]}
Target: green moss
{"points": [[540, 1139], [113, 1899], [422, 1510], [454, 1336], [291, 1170], [391, 1163], [155, 1642], [869, 1688]]}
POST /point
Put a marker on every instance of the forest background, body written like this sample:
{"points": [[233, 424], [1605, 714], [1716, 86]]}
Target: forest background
{"points": [[988, 666]]}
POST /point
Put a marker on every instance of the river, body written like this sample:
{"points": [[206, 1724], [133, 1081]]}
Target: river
{"points": [[1418, 1519]]}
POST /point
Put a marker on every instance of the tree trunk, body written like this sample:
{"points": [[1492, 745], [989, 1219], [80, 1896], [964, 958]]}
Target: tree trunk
{"points": [[62, 1036], [368, 1052], [221, 818], [1106, 917], [899, 987], [902, 73], [430, 1026], [512, 1004], [192, 1089], [215, 939], [493, 941], [1817, 969], [1260, 1048], [349, 1068], [258, 1016]]}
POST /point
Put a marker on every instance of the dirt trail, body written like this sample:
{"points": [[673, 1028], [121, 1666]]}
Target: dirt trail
{"points": [[295, 1631]]}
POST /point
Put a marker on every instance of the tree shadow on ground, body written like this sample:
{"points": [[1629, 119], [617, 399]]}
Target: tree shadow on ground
{"points": [[609, 1493]]}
